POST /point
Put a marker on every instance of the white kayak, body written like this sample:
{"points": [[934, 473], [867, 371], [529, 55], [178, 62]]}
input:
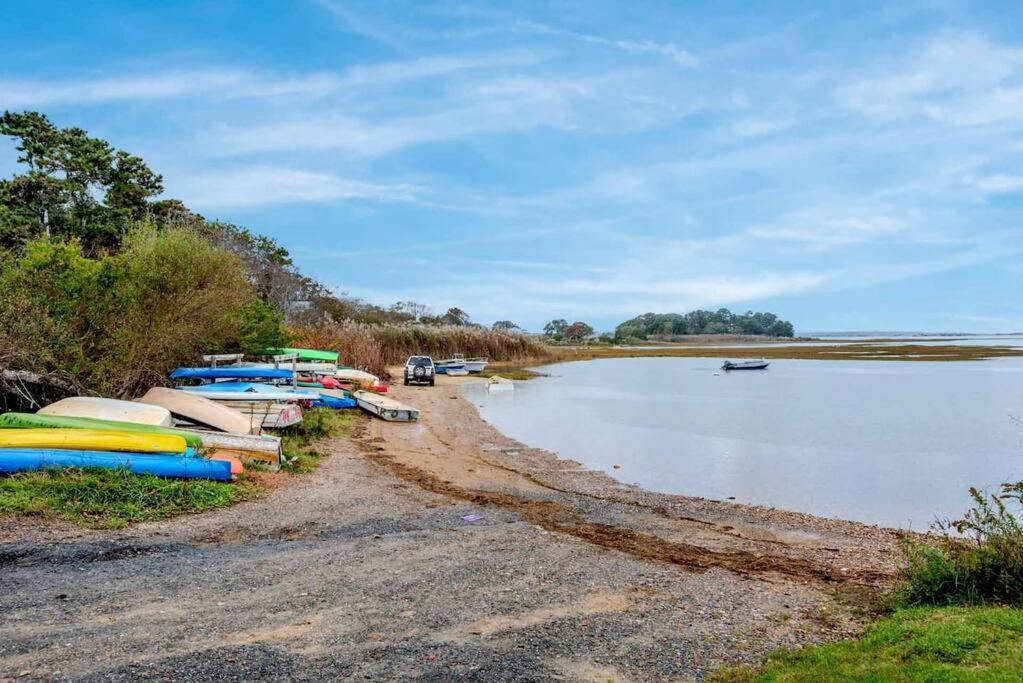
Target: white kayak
{"points": [[201, 410], [310, 367], [357, 376], [269, 394], [109, 409]]}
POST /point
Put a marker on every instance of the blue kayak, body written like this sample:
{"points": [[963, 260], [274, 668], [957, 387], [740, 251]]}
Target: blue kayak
{"points": [[231, 373], [26, 459], [326, 401]]}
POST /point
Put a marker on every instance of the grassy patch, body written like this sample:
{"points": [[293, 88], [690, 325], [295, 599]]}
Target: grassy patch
{"points": [[514, 371], [300, 454], [919, 644], [112, 499]]}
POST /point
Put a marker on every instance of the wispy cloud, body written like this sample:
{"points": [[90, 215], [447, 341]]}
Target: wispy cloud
{"points": [[957, 78], [221, 84], [998, 183], [265, 185]]}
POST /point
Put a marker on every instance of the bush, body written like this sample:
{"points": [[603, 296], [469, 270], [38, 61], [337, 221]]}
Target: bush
{"points": [[262, 328], [116, 325], [984, 567]]}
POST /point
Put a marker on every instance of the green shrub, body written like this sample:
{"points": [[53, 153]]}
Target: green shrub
{"points": [[983, 564], [117, 324]]}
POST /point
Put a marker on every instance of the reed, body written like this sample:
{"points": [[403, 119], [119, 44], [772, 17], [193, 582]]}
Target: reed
{"points": [[373, 347]]}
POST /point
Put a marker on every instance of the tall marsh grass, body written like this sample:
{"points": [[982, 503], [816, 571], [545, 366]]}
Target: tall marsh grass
{"points": [[374, 347]]}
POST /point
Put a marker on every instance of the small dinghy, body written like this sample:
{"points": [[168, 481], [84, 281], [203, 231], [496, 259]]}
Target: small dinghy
{"points": [[745, 365], [475, 365], [500, 384], [386, 408]]}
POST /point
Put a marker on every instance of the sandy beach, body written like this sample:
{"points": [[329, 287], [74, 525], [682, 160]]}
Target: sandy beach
{"points": [[373, 568]]}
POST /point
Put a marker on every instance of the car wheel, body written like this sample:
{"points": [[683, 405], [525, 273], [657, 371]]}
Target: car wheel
{"points": [[406, 381], [431, 381]]}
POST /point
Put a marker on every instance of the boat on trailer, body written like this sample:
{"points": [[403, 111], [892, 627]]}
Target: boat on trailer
{"points": [[745, 365]]}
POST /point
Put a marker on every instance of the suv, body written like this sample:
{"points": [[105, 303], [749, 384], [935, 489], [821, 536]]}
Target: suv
{"points": [[419, 369]]}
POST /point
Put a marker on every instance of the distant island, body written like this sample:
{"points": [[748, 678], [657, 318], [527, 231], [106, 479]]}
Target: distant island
{"points": [[664, 326]]}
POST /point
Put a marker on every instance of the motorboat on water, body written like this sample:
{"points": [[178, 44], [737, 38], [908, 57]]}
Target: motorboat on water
{"points": [[745, 365]]}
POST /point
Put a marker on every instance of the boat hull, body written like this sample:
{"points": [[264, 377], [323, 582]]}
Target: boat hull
{"points": [[92, 440], [386, 408], [231, 373], [747, 365], [199, 409], [28, 459], [109, 409]]}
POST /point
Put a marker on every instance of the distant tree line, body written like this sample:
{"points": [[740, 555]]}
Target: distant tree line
{"points": [[721, 321]]}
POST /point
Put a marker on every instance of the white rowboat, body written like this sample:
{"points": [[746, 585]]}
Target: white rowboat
{"points": [[386, 408]]}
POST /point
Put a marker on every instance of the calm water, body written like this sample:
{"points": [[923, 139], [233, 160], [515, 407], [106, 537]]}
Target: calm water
{"points": [[885, 442]]}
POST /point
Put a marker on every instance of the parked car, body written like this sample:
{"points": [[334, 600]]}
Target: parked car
{"points": [[420, 369]]}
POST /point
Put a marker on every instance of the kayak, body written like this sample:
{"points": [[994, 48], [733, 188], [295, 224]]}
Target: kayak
{"points": [[321, 400], [231, 373], [303, 354], [91, 440], [26, 459], [245, 391], [109, 409], [200, 409], [37, 421]]}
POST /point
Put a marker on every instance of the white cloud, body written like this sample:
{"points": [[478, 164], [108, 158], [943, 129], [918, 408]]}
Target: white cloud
{"points": [[227, 84], [263, 185], [830, 227], [955, 78], [998, 183]]}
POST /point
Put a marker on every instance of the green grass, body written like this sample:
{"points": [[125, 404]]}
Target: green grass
{"points": [[300, 455], [918, 644], [112, 499]]}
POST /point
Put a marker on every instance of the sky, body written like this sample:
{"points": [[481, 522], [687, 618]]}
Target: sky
{"points": [[847, 166]]}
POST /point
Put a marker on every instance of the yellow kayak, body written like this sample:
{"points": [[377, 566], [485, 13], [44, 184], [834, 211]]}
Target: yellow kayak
{"points": [[92, 440]]}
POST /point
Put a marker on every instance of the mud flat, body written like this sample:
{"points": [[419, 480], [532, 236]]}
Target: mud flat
{"points": [[439, 550]]}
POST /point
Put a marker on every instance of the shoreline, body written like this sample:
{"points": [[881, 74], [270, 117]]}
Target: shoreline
{"points": [[455, 451]]}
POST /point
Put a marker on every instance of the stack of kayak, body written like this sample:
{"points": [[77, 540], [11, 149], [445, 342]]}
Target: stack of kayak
{"points": [[79, 432], [204, 428]]}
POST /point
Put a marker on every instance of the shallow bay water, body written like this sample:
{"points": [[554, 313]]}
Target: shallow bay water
{"points": [[892, 443]]}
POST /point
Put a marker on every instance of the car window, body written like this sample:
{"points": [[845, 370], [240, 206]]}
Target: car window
{"points": [[419, 361]]}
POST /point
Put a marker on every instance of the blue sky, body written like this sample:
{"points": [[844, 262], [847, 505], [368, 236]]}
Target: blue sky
{"points": [[845, 165]]}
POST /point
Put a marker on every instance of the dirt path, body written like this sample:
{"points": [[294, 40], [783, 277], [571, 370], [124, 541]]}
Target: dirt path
{"points": [[367, 570]]}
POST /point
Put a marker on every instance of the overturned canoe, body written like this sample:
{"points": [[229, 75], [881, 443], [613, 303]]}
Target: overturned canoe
{"points": [[109, 409], [37, 421], [386, 408], [26, 459], [231, 373], [92, 440], [201, 410]]}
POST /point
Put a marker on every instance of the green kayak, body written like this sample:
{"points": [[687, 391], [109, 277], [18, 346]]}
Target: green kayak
{"points": [[305, 355], [32, 421]]}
